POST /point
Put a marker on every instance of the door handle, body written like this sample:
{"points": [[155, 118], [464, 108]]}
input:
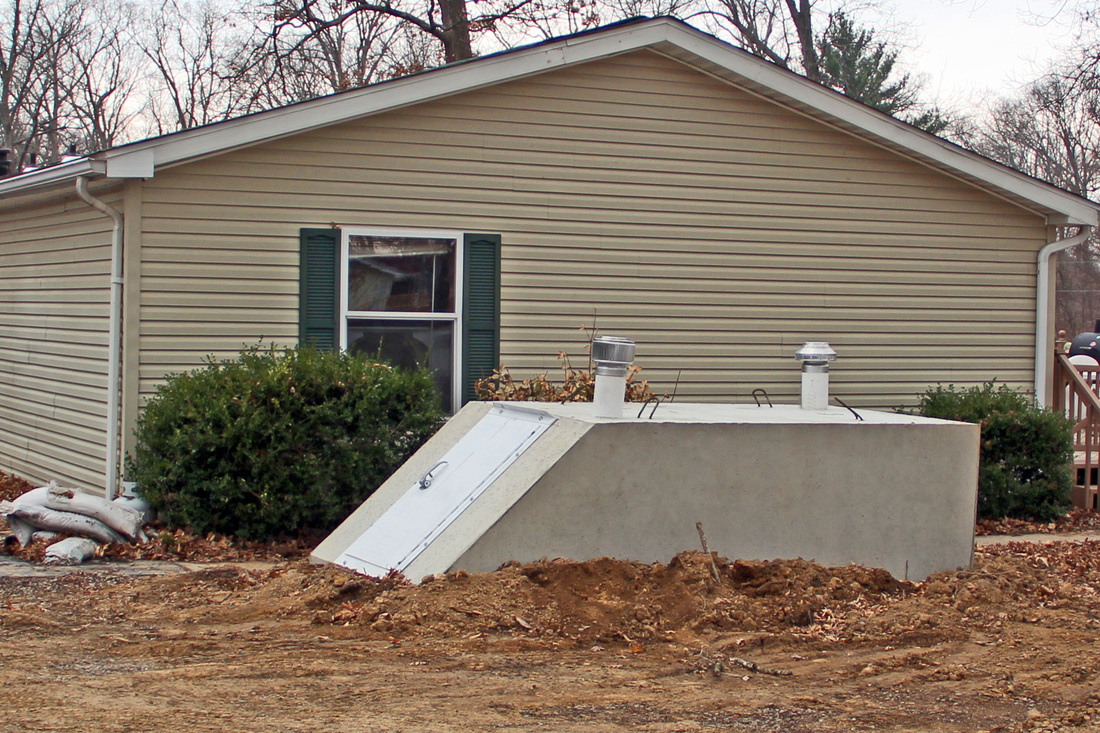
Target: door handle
{"points": [[427, 478]]}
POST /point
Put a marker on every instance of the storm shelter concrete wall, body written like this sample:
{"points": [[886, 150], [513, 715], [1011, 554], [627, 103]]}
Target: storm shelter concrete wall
{"points": [[897, 496]]}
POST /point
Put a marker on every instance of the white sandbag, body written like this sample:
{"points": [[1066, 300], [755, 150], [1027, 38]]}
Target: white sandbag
{"points": [[118, 517], [78, 524], [70, 551], [23, 532], [133, 501], [34, 497]]}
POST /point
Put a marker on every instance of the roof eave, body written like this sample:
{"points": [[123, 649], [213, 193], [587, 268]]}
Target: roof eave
{"points": [[298, 118], [710, 54], [398, 93], [54, 175], [672, 38]]}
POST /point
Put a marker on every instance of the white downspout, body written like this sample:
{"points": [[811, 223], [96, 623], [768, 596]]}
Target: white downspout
{"points": [[114, 346], [1042, 308]]}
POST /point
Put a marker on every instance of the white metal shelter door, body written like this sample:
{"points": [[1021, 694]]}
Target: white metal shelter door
{"points": [[444, 492]]}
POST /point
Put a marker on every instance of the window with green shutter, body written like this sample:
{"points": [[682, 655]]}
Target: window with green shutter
{"points": [[413, 297]]}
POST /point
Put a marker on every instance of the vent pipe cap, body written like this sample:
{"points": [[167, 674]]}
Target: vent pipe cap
{"points": [[815, 352], [612, 355]]}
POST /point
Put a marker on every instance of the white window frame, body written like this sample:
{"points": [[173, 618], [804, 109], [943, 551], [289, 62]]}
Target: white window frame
{"points": [[346, 233]]}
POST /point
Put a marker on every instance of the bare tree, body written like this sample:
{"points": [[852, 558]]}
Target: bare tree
{"points": [[190, 47], [67, 74], [101, 80], [1052, 132], [34, 61], [446, 22], [1049, 133], [354, 52], [20, 64], [781, 31], [324, 51]]}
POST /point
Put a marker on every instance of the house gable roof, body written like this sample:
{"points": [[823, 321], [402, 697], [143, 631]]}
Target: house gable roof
{"points": [[665, 36]]}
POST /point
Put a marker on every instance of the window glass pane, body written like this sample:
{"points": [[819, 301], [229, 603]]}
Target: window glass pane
{"points": [[409, 344], [411, 274]]}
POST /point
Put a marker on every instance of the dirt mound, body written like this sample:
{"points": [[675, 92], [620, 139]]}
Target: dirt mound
{"points": [[603, 600], [779, 645], [616, 602], [594, 602]]}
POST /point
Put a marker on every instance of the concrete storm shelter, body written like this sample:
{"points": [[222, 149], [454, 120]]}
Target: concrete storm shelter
{"points": [[715, 208], [522, 481]]}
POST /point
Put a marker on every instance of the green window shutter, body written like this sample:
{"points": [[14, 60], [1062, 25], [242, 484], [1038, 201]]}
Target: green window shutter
{"points": [[480, 310], [319, 288]]}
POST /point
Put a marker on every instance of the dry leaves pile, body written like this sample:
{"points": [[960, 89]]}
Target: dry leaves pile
{"points": [[1078, 520], [578, 384], [12, 486]]}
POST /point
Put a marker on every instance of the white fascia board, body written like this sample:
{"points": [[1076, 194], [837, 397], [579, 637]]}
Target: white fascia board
{"points": [[802, 90], [396, 94], [131, 164], [53, 175]]}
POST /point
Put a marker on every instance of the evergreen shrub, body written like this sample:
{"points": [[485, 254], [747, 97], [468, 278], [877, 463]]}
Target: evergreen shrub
{"points": [[276, 443], [1026, 451]]}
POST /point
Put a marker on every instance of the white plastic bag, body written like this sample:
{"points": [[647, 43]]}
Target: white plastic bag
{"points": [[24, 531]]}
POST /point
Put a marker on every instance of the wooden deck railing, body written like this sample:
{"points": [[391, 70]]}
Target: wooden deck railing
{"points": [[1075, 393]]}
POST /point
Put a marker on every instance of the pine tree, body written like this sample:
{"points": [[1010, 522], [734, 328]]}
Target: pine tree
{"points": [[854, 63]]}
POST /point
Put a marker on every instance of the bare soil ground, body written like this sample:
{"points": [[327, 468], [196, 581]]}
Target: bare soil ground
{"points": [[603, 645]]}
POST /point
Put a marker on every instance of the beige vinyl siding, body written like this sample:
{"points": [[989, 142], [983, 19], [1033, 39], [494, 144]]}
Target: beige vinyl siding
{"points": [[54, 312], [716, 228]]}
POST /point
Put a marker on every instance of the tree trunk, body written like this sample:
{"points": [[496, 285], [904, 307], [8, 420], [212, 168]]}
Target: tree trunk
{"points": [[800, 12], [456, 30]]}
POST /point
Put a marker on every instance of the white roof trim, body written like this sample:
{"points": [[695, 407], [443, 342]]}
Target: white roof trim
{"points": [[54, 174], [416, 89], [1060, 206], [885, 127]]}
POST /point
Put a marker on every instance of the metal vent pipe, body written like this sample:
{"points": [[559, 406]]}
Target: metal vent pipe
{"points": [[815, 357], [613, 357]]}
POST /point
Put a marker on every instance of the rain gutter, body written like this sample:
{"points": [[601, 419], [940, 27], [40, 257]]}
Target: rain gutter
{"points": [[114, 347], [1042, 309]]}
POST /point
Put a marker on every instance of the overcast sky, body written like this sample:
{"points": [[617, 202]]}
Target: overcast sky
{"points": [[967, 50]]}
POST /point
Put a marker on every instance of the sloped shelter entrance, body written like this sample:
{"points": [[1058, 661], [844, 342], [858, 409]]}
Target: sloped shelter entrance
{"points": [[551, 480], [427, 507]]}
